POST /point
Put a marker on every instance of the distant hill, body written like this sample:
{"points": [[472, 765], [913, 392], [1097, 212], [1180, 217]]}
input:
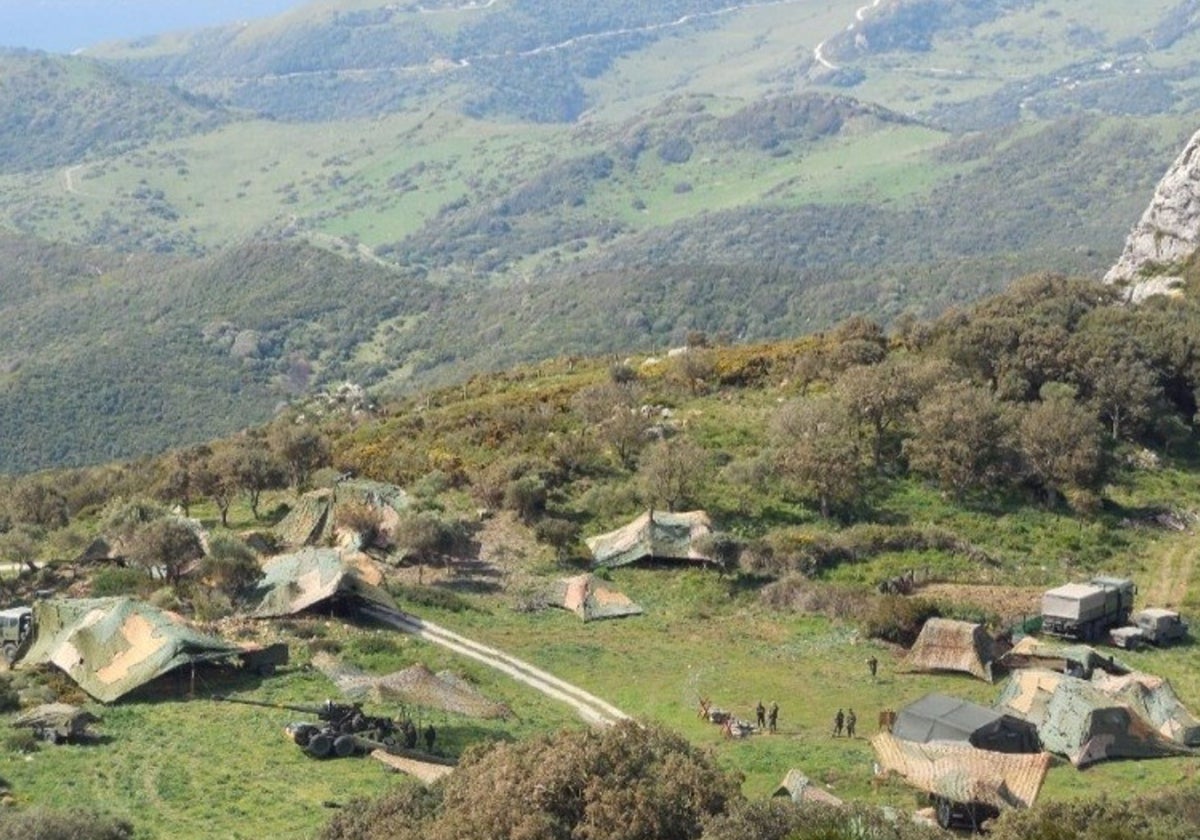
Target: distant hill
{"points": [[409, 194], [57, 110]]}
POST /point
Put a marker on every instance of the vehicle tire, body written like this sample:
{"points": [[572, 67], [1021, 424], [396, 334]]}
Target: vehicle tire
{"points": [[319, 745], [943, 812], [10, 652], [344, 745]]}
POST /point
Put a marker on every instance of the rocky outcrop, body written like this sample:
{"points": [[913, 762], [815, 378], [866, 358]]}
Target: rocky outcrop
{"points": [[1168, 234]]}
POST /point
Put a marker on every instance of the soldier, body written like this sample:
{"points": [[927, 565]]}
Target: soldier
{"points": [[839, 720], [430, 737], [773, 716], [851, 721], [410, 733], [761, 713], [872, 665]]}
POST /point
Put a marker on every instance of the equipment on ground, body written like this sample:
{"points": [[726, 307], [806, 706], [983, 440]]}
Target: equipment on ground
{"points": [[1084, 611], [1153, 626], [58, 723], [16, 626], [343, 729]]}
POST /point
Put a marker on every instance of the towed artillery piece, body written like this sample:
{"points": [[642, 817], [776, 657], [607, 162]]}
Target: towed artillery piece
{"points": [[343, 729], [58, 723]]}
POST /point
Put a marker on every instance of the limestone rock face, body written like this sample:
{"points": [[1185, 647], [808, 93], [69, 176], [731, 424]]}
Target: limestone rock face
{"points": [[1168, 233]]}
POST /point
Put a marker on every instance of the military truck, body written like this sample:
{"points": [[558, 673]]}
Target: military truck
{"points": [[1086, 611], [1154, 625], [15, 627]]}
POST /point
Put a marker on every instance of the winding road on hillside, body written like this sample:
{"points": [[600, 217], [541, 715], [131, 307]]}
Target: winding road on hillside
{"points": [[592, 709], [859, 16]]}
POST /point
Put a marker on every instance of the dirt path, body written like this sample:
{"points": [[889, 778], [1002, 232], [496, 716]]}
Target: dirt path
{"points": [[589, 707], [1172, 575]]}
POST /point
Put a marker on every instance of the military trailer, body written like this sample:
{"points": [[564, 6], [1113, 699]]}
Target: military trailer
{"points": [[15, 627], [1154, 625], [1086, 611]]}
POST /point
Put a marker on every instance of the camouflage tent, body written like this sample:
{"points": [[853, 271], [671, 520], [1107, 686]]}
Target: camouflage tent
{"points": [[1077, 660], [591, 598], [962, 773], [415, 684], [1077, 720], [292, 583], [656, 535], [937, 717], [800, 789], [110, 646], [946, 645], [312, 521], [1155, 701]]}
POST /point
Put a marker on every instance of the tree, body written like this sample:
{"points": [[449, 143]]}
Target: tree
{"points": [[303, 449], [817, 452], [424, 536], [256, 469], [35, 501], [628, 781], [610, 412], [231, 566], [879, 397], [165, 547], [670, 472], [180, 482], [1059, 442], [962, 438]]}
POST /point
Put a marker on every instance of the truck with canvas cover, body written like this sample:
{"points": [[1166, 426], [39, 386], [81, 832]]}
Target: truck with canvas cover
{"points": [[16, 625], [1154, 625], [1085, 611]]}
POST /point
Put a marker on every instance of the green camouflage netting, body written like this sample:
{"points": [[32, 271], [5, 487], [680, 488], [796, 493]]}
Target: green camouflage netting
{"points": [[1077, 720], [313, 519], [591, 598], [653, 535], [110, 646], [947, 645], [294, 582], [1078, 660]]}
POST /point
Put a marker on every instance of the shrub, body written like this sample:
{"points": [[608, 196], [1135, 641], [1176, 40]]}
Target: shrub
{"points": [[21, 741], [42, 824], [118, 580], [430, 596], [896, 618]]}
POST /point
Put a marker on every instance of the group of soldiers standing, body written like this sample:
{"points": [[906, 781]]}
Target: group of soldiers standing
{"points": [[767, 719]]}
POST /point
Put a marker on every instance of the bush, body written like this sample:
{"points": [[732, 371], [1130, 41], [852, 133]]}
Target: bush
{"points": [[118, 580], [42, 824], [430, 596], [10, 701], [21, 741], [896, 618]]}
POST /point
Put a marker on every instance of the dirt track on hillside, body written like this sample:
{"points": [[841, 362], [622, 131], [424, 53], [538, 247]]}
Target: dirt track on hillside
{"points": [[589, 707]]}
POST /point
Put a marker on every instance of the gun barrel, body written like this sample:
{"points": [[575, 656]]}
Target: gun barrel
{"points": [[309, 710]]}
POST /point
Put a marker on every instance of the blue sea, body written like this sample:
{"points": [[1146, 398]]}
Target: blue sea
{"points": [[65, 26]]}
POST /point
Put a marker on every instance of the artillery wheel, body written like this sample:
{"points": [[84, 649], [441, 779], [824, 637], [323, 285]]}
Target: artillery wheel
{"points": [[344, 745], [319, 745], [943, 812], [10, 652]]}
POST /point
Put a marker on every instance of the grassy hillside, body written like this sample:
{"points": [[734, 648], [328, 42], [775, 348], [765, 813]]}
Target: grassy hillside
{"points": [[794, 622], [570, 179]]}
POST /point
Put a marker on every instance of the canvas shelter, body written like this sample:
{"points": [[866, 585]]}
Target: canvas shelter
{"points": [[292, 583], [947, 645], [415, 684], [110, 646], [655, 535], [314, 518], [961, 773], [800, 789], [939, 717], [1155, 701], [1077, 660], [1076, 720], [591, 598]]}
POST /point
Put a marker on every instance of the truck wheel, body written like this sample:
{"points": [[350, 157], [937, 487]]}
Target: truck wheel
{"points": [[10, 652]]}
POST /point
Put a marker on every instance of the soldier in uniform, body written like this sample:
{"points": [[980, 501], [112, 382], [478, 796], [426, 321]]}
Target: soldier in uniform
{"points": [[839, 721], [761, 713], [851, 722], [430, 737], [773, 716], [872, 665]]}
